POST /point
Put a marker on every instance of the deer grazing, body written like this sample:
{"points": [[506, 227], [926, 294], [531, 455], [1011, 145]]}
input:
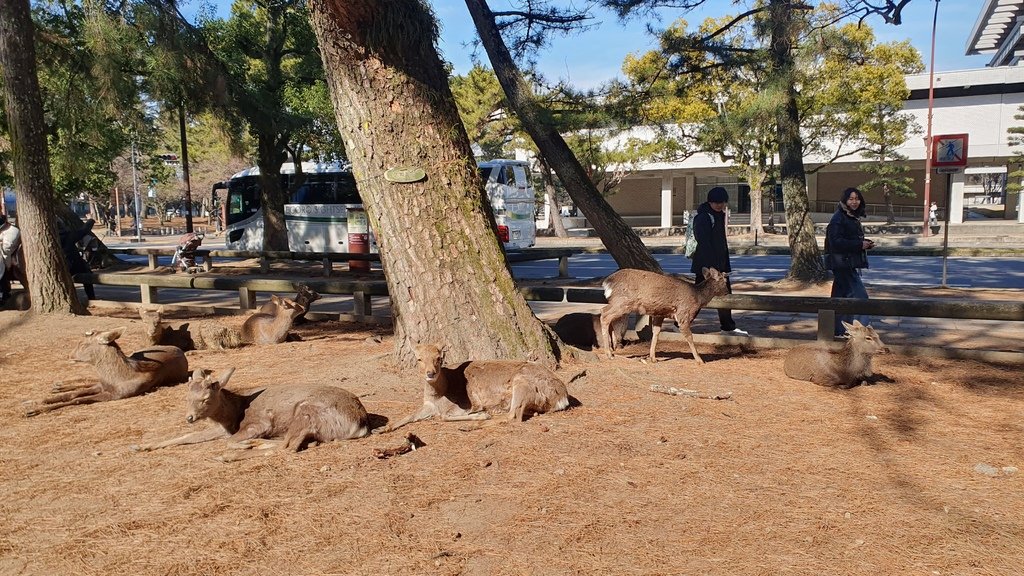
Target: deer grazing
{"points": [[121, 376], [583, 329], [259, 328], [842, 368], [300, 414], [660, 296], [474, 389]]}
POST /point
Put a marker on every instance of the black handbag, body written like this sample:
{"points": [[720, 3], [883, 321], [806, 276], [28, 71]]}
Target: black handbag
{"points": [[844, 260]]}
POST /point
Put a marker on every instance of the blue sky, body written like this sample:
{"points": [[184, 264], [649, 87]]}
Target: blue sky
{"points": [[586, 60]]}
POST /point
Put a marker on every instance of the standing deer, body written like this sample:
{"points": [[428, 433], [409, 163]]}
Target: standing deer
{"points": [[477, 387], [300, 414], [121, 376], [843, 368], [660, 296]]}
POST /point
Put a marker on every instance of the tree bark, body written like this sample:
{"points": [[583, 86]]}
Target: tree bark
{"points": [[806, 257], [551, 196], [49, 282], [622, 242], [755, 179], [445, 268]]}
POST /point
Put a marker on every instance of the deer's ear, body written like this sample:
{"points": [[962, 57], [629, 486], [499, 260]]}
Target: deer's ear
{"points": [[275, 298], [110, 335], [849, 326], [224, 375]]}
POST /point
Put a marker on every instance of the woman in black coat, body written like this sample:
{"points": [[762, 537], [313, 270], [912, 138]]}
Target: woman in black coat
{"points": [[846, 253], [713, 249]]}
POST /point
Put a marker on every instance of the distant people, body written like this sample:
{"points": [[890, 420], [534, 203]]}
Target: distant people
{"points": [[69, 240], [846, 254], [10, 242], [933, 214], [713, 249]]}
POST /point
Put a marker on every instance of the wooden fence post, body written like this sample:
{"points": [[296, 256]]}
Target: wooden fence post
{"points": [[826, 324], [246, 298], [563, 267], [149, 294], [362, 304]]}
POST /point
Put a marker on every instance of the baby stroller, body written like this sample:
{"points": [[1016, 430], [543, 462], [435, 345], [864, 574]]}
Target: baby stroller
{"points": [[185, 252]]}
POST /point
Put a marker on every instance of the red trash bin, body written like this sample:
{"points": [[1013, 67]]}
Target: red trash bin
{"points": [[358, 239]]}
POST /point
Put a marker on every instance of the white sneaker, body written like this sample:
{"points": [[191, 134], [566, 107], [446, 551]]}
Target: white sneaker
{"points": [[735, 332]]}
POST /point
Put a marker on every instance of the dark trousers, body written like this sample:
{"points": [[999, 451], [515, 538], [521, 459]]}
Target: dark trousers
{"points": [[724, 314], [847, 283]]}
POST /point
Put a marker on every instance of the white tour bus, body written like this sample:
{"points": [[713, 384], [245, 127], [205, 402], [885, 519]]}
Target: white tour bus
{"points": [[317, 214]]}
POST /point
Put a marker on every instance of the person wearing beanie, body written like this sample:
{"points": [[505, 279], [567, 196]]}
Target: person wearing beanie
{"points": [[713, 249]]}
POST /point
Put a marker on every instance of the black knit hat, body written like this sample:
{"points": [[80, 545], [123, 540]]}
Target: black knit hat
{"points": [[718, 194]]}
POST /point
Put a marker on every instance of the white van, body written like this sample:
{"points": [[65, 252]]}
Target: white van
{"points": [[507, 183]]}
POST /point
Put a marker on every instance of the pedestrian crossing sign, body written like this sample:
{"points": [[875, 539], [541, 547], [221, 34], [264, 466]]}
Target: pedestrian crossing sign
{"points": [[949, 150]]}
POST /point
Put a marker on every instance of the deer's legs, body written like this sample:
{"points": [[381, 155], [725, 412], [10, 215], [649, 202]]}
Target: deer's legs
{"points": [[684, 329], [656, 322], [49, 404], [69, 386], [190, 438]]}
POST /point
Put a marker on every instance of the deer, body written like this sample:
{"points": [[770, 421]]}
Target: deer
{"points": [[476, 388], [659, 295], [583, 329], [259, 328], [121, 376], [845, 367], [158, 332], [301, 414], [304, 298]]}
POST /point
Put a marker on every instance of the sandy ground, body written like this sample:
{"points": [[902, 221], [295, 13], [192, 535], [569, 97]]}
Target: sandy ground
{"points": [[916, 476]]}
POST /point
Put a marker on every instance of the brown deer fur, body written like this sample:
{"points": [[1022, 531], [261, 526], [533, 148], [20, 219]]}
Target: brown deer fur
{"points": [[298, 413], [120, 376], [660, 296], [473, 389], [845, 367]]}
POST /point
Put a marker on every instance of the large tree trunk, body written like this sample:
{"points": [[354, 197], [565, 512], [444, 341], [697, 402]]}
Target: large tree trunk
{"points": [[551, 198], [806, 257], [445, 268], [49, 282], [622, 242], [755, 178], [272, 195]]}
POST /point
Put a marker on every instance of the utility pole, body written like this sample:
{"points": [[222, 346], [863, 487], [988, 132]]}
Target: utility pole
{"points": [[926, 229]]}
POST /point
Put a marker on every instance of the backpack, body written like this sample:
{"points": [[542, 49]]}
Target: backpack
{"points": [[690, 245]]}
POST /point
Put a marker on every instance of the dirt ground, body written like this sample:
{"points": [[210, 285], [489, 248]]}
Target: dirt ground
{"points": [[917, 476]]}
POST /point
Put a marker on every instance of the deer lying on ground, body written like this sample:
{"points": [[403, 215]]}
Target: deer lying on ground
{"points": [[844, 367], [474, 389], [582, 329], [300, 414], [158, 332], [120, 376], [660, 296], [259, 328], [304, 298]]}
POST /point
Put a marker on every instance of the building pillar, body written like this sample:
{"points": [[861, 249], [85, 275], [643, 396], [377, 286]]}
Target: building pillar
{"points": [[812, 190], [666, 200], [689, 192], [956, 197]]}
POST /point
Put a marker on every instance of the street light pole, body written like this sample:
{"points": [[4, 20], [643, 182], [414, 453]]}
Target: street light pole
{"points": [[925, 229], [138, 200]]}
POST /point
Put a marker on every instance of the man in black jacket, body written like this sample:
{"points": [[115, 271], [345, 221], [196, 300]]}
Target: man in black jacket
{"points": [[713, 249]]}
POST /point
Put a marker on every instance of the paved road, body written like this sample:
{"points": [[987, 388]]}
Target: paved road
{"points": [[968, 272]]}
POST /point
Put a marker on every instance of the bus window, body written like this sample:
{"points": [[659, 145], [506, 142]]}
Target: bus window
{"points": [[485, 174], [510, 176], [327, 188]]}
